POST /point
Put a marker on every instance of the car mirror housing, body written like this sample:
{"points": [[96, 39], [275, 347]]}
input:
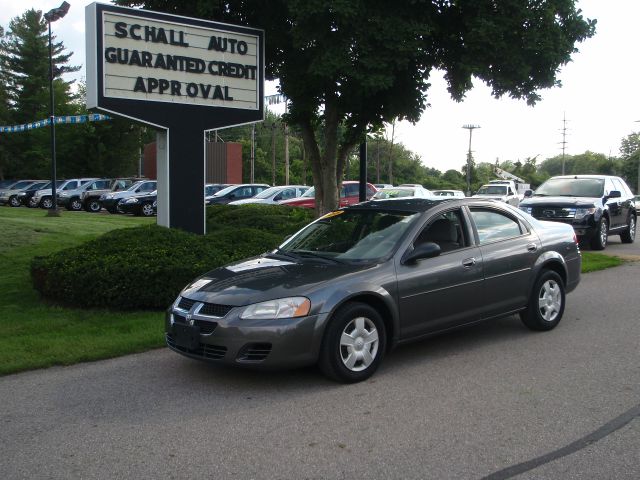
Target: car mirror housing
{"points": [[614, 194], [424, 250]]}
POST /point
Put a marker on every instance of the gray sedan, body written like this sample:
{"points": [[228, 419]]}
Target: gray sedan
{"points": [[355, 283]]}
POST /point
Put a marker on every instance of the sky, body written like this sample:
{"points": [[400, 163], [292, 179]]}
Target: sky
{"points": [[599, 96]]}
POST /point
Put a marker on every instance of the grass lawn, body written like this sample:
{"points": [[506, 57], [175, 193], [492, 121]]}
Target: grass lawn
{"points": [[34, 334]]}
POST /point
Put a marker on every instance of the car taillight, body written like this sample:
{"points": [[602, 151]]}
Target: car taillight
{"points": [[575, 238]]}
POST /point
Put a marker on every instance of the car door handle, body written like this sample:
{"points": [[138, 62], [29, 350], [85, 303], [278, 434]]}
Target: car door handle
{"points": [[468, 262], [532, 247]]}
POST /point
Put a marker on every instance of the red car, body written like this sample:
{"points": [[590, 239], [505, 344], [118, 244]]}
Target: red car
{"points": [[349, 195]]}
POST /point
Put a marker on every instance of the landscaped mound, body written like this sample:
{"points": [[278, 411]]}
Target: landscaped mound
{"points": [[146, 267]]}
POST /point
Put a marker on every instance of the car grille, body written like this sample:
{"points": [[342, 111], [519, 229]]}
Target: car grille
{"points": [[544, 213], [186, 304], [254, 352], [211, 309], [215, 310], [206, 327], [210, 352]]}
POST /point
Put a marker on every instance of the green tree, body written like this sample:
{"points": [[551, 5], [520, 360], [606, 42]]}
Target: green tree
{"points": [[356, 64], [581, 164], [5, 112], [25, 56], [630, 158]]}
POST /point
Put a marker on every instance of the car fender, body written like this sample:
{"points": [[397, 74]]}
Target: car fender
{"points": [[547, 259], [365, 292]]}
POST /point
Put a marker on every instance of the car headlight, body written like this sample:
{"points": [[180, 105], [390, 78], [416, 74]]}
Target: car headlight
{"points": [[583, 212], [280, 308], [22, 194], [526, 209], [132, 200]]}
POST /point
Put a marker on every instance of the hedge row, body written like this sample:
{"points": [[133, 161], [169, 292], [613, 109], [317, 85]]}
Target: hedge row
{"points": [[146, 267]]}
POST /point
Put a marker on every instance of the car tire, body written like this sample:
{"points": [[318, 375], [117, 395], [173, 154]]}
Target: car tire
{"points": [[354, 343], [31, 203], [14, 201], [46, 203], [546, 304], [629, 235], [93, 205], [146, 210], [74, 205], [599, 241]]}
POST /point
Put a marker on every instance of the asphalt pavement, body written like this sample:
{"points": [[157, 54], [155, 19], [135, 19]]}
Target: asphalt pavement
{"points": [[492, 401]]}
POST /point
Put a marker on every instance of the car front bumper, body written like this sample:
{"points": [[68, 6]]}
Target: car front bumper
{"points": [[265, 344]]}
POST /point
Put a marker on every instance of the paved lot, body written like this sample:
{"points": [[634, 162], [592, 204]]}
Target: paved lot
{"points": [[494, 400]]}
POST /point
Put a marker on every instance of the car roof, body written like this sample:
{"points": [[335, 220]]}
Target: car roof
{"points": [[584, 176]]}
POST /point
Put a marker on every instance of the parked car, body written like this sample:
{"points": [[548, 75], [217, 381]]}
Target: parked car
{"points": [[274, 195], [91, 198], [112, 200], [140, 204], [503, 193], [236, 192], [401, 192], [448, 193], [596, 206], [42, 198], [356, 282], [9, 195], [380, 186], [72, 199], [25, 196], [211, 189], [349, 195]]}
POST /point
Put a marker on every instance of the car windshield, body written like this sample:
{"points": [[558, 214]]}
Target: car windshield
{"points": [[351, 235], [311, 193], [224, 191], [134, 186], [394, 193], [269, 192], [493, 190], [571, 187], [20, 185]]}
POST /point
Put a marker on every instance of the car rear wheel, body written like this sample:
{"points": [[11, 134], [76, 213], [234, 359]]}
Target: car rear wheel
{"points": [[74, 204], [93, 206], [546, 304], [599, 241], [354, 344], [629, 235], [147, 210]]}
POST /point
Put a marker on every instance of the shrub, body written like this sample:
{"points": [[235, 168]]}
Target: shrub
{"points": [[146, 267]]}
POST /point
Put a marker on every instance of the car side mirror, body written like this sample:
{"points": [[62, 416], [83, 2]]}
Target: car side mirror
{"points": [[424, 250], [614, 194], [277, 198], [528, 193]]}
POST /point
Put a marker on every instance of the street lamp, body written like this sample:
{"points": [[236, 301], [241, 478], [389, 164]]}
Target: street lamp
{"points": [[51, 16], [638, 190], [469, 127]]}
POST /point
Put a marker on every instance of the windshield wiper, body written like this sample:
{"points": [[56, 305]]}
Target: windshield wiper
{"points": [[278, 252], [315, 255]]}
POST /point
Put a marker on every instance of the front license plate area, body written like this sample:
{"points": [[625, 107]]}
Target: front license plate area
{"points": [[186, 336]]}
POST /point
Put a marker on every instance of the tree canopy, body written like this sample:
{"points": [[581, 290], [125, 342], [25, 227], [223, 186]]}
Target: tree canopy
{"points": [[360, 63]]}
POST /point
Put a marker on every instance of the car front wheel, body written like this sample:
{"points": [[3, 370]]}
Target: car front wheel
{"points": [[629, 235], [93, 206], [75, 205], [147, 210], [354, 344], [14, 201], [599, 241], [546, 304]]}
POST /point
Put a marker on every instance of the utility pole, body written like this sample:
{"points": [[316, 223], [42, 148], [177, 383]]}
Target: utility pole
{"points": [[273, 154], [469, 127], [286, 147], [638, 190], [253, 152], [393, 131], [564, 139]]}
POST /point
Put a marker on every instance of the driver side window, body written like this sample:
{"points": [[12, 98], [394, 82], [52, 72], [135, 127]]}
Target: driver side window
{"points": [[447, 230]]}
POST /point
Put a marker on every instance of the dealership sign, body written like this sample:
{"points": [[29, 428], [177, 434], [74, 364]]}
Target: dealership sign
{"points": [[181, 74]]}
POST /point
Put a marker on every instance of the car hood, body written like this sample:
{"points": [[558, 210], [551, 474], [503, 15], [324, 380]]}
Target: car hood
{"points": [[264, 278], [559, 201]]}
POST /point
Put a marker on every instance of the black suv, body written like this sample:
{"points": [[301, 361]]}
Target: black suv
{"points": [[595, 205]]}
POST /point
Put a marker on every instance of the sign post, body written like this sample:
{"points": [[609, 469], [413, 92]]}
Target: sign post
{"points": [[183, 76]]}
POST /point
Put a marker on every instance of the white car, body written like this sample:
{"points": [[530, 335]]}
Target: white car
{"points": [[449, 193], [402, 192], [504, 193], [274, 195]]}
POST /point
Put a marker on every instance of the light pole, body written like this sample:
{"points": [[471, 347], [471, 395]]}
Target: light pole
{"points": [[469, 127], [638, 190], [51, 16]]}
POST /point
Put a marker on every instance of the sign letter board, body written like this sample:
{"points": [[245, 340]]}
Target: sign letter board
{"points": [[180, 74]]}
